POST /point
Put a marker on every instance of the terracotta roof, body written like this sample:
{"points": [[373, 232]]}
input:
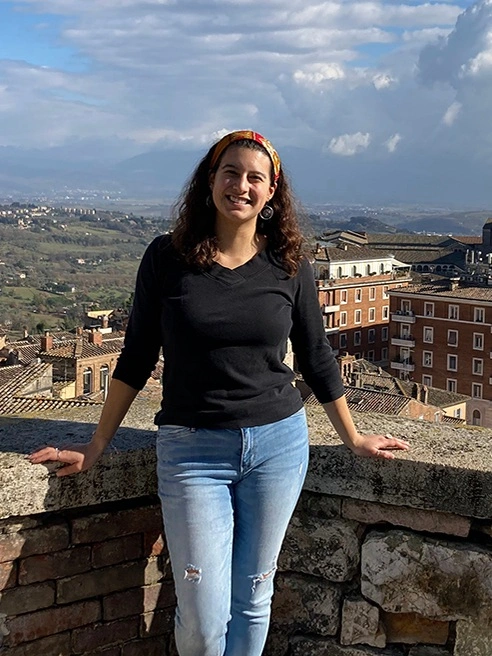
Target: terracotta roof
{"points": [[438, 397], [348, 254], [9, 373], [364, 400], [83, 349], [436, 289], [23, 375], [472, 240], [20, 405]]}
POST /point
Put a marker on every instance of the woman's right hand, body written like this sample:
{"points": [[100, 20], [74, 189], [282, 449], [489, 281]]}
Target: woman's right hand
{"points": [[75, 457]]}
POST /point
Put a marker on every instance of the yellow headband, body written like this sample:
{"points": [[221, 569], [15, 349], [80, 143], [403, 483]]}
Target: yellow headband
{"points": [[252, 136]]}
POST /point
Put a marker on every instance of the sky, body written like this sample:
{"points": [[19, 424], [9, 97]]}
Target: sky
{"points": [[384, 85]]}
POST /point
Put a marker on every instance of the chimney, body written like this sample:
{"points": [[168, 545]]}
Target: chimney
{"points": [[79, 331], [25, 332], [105, 321], [46, 341], [454, 284], [416, 391], [95, 337], [425, 394]]}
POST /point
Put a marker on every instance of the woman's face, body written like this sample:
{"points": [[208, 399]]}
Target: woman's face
{"points": [[242, 184]]}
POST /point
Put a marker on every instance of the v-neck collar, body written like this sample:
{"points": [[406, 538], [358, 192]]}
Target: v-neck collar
{"points": [[237, 275]]}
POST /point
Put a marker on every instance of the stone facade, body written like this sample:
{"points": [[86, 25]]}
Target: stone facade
{"points": [[388, 558]]}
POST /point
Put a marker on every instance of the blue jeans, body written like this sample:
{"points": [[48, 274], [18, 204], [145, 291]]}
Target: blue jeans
{"points": [[227, 497]]}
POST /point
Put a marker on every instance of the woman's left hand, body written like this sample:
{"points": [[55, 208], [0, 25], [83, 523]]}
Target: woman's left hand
{"points": [[378, 446]]}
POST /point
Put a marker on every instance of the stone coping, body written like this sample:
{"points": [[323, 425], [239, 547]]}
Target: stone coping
{"points": [[448, 469]]}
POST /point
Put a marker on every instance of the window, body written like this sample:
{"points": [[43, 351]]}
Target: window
{"points": [[87, 381], [476, 418], [343, 318], [384, 334], [428, 335], [427, 380], [385, 291], [104, 379], [386, 312], [372, 314], [371, 335], [384, 353], [479, 315], [357, 338], [427, 359], [339, 272], [452, 362], [451, 384], [358, 295], [343, 296], [372, 293], [429, 309], [370, 356], [342, 340], [452, 338], [478, 341], [477, 390], [453, 312], [357, 316], [457, 413], [477, 366]]}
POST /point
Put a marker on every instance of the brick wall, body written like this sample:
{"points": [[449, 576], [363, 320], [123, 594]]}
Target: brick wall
{"points": [[86, 583]]}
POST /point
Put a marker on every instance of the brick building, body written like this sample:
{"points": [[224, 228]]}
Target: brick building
{"points": [[353, 287], [84, 364], [441, 336]]}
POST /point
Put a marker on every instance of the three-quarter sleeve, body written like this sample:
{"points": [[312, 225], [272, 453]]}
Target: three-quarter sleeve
{"points": [[142, 338], [314, 354]]}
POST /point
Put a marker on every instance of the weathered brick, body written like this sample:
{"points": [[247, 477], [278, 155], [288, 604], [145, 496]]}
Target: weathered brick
{"points": [[100, 582], [104, 526], [138, 600], [419, 520], [27, 598], [54, 565], [50, 621], [88, 639], [116, 551], [56, 645], [35, 541], [147, 646], [8, 575], [157, 622]]}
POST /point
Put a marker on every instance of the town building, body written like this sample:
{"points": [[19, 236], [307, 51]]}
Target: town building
{"points": [[353, 288], [441, 336]]}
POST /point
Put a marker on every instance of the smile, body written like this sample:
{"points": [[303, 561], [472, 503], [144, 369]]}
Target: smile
{"points": [[240, 201]]}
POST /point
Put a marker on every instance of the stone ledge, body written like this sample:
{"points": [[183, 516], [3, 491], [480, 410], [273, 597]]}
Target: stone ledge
{"points": [[448, 469]]}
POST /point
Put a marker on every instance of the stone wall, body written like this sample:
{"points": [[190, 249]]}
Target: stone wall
{"points": [[391, 558]]}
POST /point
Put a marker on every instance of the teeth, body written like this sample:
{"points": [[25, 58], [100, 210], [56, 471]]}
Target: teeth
{"points": [[235, 199]]}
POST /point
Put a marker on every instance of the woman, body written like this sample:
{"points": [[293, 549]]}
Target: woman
{"points": [[221, 296]]}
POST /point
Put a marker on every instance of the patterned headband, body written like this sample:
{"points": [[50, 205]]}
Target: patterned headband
{"points": [[252, 136]]}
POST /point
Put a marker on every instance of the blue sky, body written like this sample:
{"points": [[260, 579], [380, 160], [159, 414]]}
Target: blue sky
{"points": [[383, 80]]}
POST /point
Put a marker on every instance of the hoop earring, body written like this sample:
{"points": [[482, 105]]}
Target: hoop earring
{"points": [[266, 213]]}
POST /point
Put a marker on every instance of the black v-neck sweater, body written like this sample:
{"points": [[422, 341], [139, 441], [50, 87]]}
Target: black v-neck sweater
{"points": [[224, 335]]}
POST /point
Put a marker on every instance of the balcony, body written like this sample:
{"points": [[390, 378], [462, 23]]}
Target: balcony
{"points": [[403, 364], [402, 316], [402, 340], [330, 308], [332, 330]]}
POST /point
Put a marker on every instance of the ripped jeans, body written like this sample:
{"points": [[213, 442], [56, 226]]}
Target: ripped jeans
{"points": [[227, 497]]}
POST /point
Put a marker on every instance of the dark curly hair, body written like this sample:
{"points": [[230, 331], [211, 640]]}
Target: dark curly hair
{"points": [[194, 233]]}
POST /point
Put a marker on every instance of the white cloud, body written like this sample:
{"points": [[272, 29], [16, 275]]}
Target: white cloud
{"points": [[451, 113], [348, 145], [392, 143]]}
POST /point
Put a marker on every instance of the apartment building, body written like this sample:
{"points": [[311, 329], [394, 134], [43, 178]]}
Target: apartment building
{"points": [[353, 288], [441, 336]]}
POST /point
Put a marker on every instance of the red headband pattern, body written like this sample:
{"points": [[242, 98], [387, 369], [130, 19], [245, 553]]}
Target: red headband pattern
{"points": [[253, 136]]}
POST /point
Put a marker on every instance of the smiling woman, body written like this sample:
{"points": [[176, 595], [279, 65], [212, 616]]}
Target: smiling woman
{"points": [[222, 296]]}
